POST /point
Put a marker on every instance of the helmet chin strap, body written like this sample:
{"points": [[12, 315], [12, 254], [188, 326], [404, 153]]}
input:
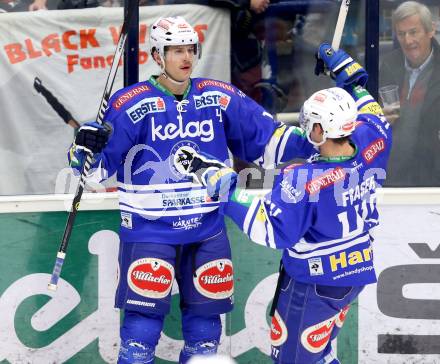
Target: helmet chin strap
{"points": [[168, 77], [317, 144]]}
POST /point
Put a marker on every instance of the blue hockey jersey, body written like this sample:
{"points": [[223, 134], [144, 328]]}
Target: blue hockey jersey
{"points": [[157, 202], [322, 212]]}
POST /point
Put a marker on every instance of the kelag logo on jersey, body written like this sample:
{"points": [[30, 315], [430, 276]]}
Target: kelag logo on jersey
{"points": [[212, 98], [146, 106], [190, 129]]}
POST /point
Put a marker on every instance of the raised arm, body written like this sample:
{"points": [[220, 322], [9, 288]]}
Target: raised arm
{"points": [[254, 136], [351, 76], [277, 220]]}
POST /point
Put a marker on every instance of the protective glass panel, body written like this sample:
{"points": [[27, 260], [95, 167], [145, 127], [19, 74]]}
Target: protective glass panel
{"points": [[409, 91]]}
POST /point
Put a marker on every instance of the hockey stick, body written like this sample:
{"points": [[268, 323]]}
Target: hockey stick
{"points": [[88, 160], [343, 11], [337, 35], [58, 107]]}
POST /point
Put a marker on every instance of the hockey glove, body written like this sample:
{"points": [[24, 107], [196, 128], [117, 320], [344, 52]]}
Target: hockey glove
{"points": [[343, 68], [216, 176], [93, 137], [218, 182], [90, 138]]}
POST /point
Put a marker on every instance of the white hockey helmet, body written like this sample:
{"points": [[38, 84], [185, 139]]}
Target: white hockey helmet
{"points": [[334, 109], [172, 31]]}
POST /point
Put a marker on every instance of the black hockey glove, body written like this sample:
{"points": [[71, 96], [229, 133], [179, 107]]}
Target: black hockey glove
{"points": [[93, 137]]}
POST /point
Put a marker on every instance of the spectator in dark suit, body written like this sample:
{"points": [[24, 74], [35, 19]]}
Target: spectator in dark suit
{"points": [[415, 68]]}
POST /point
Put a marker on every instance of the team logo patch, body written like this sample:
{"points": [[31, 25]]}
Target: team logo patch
{"points": [[181, 157], [315, 338], [278, 330], [315, 266], [126, 220], [215, 279], [340, 317], [150, 277]]}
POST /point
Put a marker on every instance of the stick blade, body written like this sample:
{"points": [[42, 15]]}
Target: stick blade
{"points": [[52, 287], [343, 11]]}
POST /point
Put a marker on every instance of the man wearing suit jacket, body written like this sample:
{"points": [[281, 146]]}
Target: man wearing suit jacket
{"points": [[415, 68]]}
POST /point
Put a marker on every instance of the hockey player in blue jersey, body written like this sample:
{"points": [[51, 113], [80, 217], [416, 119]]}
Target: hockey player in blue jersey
{"points": [[170, 230], [320, 213]]}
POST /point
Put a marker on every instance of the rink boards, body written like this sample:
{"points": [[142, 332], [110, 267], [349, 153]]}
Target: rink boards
{"points": [[396, 321]]}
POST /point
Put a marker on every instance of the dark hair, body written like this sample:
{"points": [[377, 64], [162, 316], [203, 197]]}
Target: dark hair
{"points": [[341, 140]]}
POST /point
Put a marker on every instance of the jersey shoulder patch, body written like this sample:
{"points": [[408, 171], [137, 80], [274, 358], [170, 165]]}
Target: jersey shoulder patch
{"points": [[127, 94], [202, 84]]}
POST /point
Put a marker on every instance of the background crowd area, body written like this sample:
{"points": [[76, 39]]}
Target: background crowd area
{"points": [[273, 45]]}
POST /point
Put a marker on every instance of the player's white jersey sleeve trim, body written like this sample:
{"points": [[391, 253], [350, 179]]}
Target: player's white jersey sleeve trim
{"points": [[304, 246], [364, 99], [249, 214], [258, 226], [97, 175], [283, 143], [334, 249], [274, 150]]}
